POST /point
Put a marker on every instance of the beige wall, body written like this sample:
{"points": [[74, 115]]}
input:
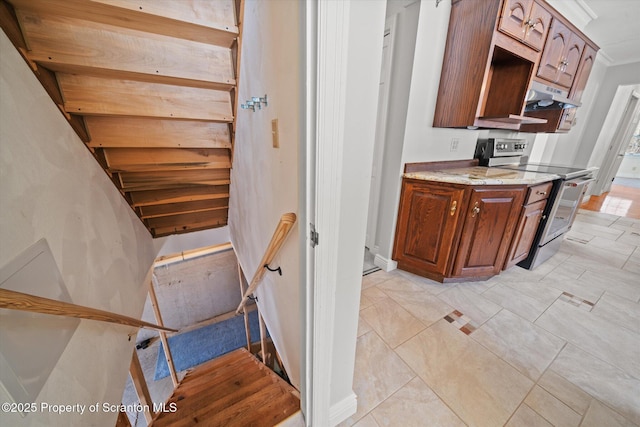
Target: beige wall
{"points": [[265, 180], [52, 188]]}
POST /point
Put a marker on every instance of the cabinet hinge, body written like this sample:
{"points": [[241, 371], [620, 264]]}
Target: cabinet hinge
{"points": [[313, 235]]}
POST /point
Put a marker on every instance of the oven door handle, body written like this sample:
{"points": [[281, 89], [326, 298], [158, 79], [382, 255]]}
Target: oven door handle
{"points": [[578, 181]]}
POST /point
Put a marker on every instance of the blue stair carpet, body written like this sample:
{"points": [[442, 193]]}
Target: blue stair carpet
{"points": [[195, 347]]}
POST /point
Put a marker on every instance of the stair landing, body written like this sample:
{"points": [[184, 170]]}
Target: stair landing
{"points": [[232, 390]]}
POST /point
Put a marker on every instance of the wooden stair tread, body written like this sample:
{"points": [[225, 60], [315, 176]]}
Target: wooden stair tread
{"points": [[274, 412], [232, 390], [232, 358], [224, 379]]}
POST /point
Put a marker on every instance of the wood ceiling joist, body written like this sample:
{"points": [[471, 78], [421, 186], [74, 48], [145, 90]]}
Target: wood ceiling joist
{"points": [[164, 159], [187, 229], [196, 20], [178, 195], [83, 47], [134, 132], [88, 95], [141, 181], [182, 222], [187, 207]]}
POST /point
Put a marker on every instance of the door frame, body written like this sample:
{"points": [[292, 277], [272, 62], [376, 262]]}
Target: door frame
{"points": [[608, 170], [380, 142]]}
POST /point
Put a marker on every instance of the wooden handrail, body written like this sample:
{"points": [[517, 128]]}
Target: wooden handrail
{"points": [[24, 302], [282, 231]]}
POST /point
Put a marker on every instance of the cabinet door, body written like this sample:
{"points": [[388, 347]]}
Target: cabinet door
{"points": [[582, 75], [538, 26], [571, 60], [426, 227], [567, 120], [515, 14], [525, 233], [553, 53], [561, 55], [490, 221]]}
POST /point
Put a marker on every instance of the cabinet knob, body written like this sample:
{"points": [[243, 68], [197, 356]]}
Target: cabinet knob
{"points": [[454, 206], [542, 193], [475, 211]]}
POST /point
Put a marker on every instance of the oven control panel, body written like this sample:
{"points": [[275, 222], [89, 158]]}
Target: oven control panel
{"points": [[500, 151], [507, 147]]}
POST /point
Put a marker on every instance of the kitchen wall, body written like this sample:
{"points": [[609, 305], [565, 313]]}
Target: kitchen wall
{"points": [[265, 180], [52, 188]]}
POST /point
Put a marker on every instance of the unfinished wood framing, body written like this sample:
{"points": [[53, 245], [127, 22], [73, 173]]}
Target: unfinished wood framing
{"points": [[140, 384], [263, 343], [163, 335], [150, 88]]}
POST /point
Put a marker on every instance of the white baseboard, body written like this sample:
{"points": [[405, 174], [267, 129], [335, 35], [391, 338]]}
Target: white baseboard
{"points": [[343, 409], [384, 263]]}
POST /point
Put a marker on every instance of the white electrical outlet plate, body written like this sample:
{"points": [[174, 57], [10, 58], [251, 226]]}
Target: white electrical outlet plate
{"points": [[454, 144]]}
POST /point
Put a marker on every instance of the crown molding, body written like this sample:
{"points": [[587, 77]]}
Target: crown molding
{"points": [[576, 11]]}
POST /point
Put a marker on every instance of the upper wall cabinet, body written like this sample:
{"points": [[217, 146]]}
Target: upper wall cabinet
{"points": [[526, 20], [561, 56], [495, 48]]}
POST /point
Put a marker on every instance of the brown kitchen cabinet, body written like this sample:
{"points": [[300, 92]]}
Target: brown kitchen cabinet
{"points": [[530, 218], [490, 221], [427, 224], [485, 73], [561, 55], [494, 49], [568, 118], [527, 21], [454, 232], [564, 120]]}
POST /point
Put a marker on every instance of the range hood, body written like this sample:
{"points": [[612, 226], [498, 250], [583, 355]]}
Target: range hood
{"points": [[543, 97]]}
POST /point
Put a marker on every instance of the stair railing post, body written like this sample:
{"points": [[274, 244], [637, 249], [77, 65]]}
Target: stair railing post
{"points": [[140, 384], [247, 329], [163, 335]]}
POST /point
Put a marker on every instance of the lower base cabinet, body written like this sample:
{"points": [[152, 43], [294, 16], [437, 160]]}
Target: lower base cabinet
{"points": [[427, 227], [453, 232], [488, 227]]}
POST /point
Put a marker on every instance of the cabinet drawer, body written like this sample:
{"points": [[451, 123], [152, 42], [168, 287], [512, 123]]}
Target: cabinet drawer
{"points": [[538, 192]]}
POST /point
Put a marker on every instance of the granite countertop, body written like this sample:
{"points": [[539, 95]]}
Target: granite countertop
{"points": [[482, 175]]}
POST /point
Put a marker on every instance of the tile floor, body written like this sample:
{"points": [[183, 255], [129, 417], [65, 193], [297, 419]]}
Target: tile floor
{"points": [[556, 346]]}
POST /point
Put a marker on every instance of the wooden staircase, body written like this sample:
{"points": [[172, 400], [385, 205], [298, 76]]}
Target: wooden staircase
{"points": [[233, 390]]}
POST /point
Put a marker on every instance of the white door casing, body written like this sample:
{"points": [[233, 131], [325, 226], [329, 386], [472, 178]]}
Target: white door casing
{"points": [[381, 126]]}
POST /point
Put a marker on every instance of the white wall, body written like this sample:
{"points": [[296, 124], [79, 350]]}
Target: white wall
{"points": [[630, 167], [597, 130], [51, 187], [364, 50], [264, 181]]}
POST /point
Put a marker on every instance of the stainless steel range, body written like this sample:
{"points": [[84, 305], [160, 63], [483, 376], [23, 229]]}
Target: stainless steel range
{"points": [[565, 198]]}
